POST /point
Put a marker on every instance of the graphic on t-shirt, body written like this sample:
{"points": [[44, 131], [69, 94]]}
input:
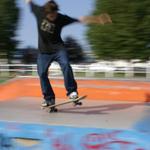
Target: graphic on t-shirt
{"points": [[47, 26]]}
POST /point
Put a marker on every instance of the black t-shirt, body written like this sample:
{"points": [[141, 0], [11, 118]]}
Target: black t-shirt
{"points": [[49, 32]]}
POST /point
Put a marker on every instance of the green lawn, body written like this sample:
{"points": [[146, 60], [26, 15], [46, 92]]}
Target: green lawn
{"points": [[2, 80], [5, 77]]}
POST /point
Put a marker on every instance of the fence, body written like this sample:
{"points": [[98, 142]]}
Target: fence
{"points": [[81, 71]]}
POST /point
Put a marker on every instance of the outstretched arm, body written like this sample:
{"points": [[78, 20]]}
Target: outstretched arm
{"points": [[34, 7], [101, 19]]}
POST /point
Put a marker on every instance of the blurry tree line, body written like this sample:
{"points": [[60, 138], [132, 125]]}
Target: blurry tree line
{"points": [[9, 14], [75, 50], [29, 55], [128, 37]]}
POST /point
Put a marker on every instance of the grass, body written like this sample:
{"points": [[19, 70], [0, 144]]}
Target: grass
{"points": [[4, 77], [2, 80], [140, 75]]}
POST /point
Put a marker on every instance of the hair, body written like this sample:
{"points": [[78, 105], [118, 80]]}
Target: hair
{"points": [[51, 6]]}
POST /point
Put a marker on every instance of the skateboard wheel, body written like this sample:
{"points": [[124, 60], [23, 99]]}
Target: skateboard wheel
{"points": [[56, 110], [78, 103], [53, 110]]}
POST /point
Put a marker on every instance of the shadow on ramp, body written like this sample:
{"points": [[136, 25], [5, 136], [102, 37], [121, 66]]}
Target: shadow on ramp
{"points": [[101, 109]]}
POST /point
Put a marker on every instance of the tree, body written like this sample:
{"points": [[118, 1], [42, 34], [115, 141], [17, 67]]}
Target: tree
{"points": [[128, 37], [75, 50], [8, 22]]}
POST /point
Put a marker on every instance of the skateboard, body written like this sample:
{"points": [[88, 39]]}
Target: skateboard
{"points": [[76, 102]]}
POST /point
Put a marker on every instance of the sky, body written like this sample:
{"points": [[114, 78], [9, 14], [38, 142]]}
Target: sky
{"points": [[27, 32]]}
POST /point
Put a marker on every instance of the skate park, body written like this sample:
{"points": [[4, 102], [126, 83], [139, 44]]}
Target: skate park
{"points": [[116, 108], [104, 45]]}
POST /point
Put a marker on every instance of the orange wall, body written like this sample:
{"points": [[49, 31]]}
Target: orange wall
{"points": [[95, 89]]}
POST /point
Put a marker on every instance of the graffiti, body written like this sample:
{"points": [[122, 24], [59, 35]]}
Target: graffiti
{"points": [[48, 133], [59, 145], [63, 142], [70, 138], [107, 141]]}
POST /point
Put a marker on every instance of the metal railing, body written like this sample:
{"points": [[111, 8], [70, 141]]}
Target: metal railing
{"points": [[82, 71]]}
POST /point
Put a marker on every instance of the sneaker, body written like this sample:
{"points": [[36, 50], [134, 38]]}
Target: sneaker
{"points": [[73, 95], [47, 103]]}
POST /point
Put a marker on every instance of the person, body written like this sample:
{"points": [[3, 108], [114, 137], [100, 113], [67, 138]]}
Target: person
{"points": [[50, 23], [51, 48]]}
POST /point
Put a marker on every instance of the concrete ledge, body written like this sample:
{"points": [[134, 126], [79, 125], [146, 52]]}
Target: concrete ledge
{"points": [[132, 91]]}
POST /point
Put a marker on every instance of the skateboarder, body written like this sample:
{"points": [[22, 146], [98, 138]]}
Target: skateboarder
{"points": [[51, 48]]}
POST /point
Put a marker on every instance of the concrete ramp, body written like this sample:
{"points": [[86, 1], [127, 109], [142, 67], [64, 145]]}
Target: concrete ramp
{"points": [[97, 125]]}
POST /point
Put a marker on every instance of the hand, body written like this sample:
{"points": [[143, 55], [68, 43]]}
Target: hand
{"points": [[105, 18]]}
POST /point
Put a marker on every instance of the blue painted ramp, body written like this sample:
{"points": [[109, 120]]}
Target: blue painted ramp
{"points": [[70, 138]]}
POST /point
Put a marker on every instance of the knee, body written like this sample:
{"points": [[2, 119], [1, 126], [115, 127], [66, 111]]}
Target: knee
{"points": [[42, 74], [65, 64]]}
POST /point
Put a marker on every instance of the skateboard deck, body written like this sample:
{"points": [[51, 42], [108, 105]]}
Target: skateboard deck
{"points": [[75, 101]]}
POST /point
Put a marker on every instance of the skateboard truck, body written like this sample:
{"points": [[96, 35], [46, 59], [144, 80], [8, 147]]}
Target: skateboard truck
{"points": [[77, 103], [53, 109]]}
